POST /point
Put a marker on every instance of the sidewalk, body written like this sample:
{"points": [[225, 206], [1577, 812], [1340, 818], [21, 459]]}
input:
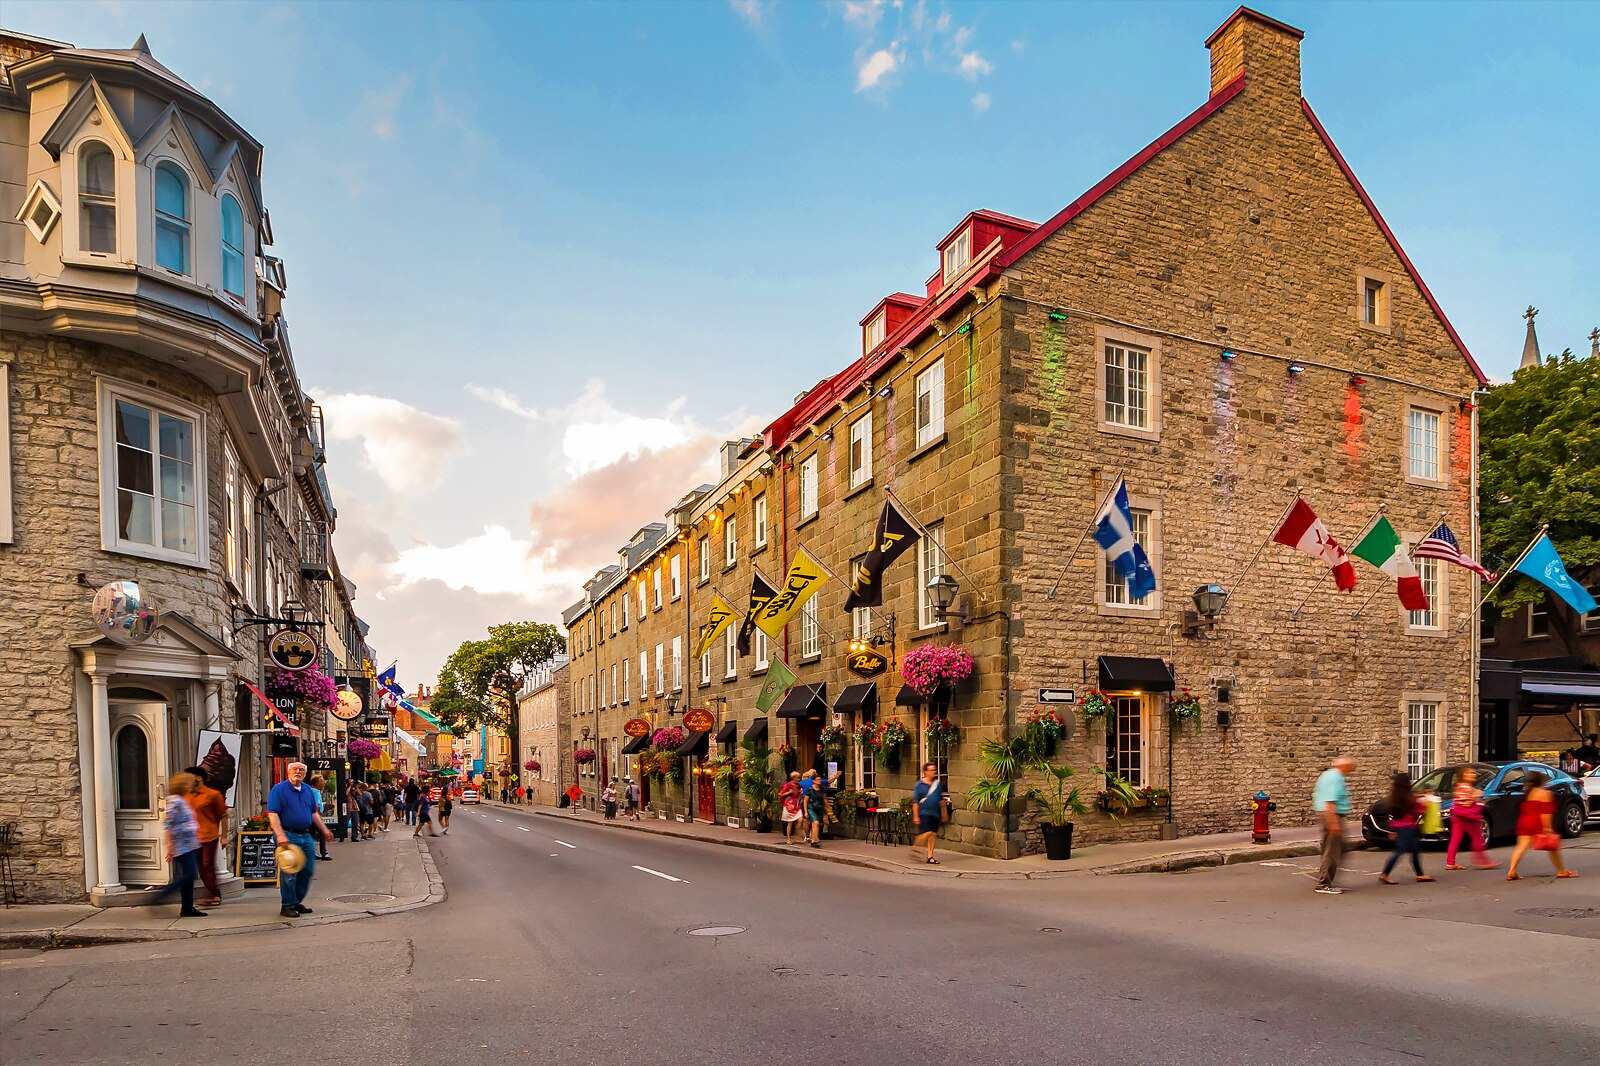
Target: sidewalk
{"points": [[1154, 856], [386, 875]]}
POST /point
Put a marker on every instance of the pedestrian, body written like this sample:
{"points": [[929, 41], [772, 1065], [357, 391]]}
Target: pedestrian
{"points": [[364, 800], [1570, 763], [1536, 828], [180, 845], [424, 815], [296, 819], [816, 805], [1405, 828], [385, 806], [211, 823], [411, 793], [1589, 752], [445, 806], [352, 810], [609, 798], [630, 796], [791, 799], [574, 797], [1466, 822], [928, 796], [1331, 801], [315, 782]]}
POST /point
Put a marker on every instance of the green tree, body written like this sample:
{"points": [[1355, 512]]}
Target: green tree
{"points": [[479, 681], [1539, 463]]}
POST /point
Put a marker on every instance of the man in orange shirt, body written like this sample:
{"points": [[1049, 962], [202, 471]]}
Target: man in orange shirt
{"points": [[211, 815]]}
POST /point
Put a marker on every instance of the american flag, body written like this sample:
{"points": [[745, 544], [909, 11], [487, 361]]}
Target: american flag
{"points": [[1442, 544]]}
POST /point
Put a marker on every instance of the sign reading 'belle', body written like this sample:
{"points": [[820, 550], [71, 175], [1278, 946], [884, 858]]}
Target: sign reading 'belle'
{"points": [[699, 721]]}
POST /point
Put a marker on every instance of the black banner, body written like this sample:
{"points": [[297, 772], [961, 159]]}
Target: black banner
{"points": [[760, 594], [894, 535]]}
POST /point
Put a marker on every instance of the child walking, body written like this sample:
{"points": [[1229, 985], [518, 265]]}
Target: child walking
{"points": [[1405, 816]]}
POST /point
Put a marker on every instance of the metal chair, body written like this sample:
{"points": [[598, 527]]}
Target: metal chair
{"points": [[8, 847]]}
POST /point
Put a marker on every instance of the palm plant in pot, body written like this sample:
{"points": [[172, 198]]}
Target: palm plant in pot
{"points": [[1057, 804], [755, 783]]}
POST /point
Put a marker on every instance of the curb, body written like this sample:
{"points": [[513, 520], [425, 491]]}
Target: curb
{"points": [[53, 939]]}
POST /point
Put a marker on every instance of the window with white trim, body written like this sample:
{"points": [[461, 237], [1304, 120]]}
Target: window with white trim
{"points": [[655, 586], [601, 683], [730, 541], [758, 520], [872, 333], [810, 629], [1116, 588], [1422, 444], [730, 652], [232, 247], [661, 669], [930, 404], [860, 617], [1125, 747], [1127, 374], [957, 255], [1429, 573], [624, 599], [677, 576], [152, 468], [614, 615], [644, 674], [614, 689], [1538, 619], [808, 486], [762, 649], [705, 558], [930, 558], [861, 451], [6, 530], [97, 198], [1589, 623], [1422, 737], [625, 664], [677, 663], [231, 514], [644, 603], [705, 667], [866, 755], [172, 218]]}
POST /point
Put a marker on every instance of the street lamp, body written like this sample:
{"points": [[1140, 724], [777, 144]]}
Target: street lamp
{"points": [[672, 707], [1209, 600], [944, 589]]}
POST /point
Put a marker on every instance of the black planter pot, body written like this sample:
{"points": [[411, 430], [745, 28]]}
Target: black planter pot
{"points": [[1057, 841], [891, 759], [763, 824]]}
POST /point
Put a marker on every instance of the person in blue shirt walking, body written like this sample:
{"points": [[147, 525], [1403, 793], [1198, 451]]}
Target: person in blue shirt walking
{"points": [[928, 795], [296, 818], [1331, 800]]}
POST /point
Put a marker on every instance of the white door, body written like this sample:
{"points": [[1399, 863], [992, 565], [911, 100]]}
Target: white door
{"points": [[139, 779]]}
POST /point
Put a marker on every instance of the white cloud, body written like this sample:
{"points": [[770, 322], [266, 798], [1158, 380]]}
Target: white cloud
{"points": [[980, 103], [383, 105], [876, 67], [973, 64], [751, 11], [863, 13], [493, 563], [409, 449], [498, 397], [598, 434]]}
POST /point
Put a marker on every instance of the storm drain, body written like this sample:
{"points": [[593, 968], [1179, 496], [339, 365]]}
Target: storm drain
{"points": [[362, 897], [717, 930], [1560, 912]]}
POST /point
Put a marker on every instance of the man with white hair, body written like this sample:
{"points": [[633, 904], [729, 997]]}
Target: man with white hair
{"points": [[295, 814], [1331, 801]]}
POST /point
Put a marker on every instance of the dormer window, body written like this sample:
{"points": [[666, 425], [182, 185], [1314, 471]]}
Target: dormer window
{"points": [[872, 334], [172, 219], [97, 198], [957, 254], [232, 246]]}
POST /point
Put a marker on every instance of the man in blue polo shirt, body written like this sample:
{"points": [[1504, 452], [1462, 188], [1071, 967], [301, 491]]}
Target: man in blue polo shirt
{"points": [[295, 815]]}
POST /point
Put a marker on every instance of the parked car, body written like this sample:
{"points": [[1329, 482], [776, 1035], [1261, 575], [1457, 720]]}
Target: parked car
{"points": [[469, 795], [1503, 784], [1591, 791]]}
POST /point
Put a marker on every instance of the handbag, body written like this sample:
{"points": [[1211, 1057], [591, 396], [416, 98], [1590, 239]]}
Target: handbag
{"points": [[1547, 842], [1432, 818]]}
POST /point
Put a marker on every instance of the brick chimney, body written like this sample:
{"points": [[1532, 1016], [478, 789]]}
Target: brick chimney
{"points": [[1264, 49]]}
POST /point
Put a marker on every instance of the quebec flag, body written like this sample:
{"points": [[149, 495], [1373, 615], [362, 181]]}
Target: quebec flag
{"points": [[1114, 534]]}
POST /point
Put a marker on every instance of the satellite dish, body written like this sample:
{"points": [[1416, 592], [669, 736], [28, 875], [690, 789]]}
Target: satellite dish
{"points": [[124, 613]]}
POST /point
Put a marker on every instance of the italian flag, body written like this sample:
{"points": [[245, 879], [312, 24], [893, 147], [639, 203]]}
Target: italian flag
{"points": [[1303, 531], [1382, 548]]}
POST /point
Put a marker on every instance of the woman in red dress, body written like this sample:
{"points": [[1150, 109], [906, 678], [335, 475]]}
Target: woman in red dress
{"points": [[1535, 827]]}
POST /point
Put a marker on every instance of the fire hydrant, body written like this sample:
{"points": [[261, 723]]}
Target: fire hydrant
{"points": [[1261, 828]]}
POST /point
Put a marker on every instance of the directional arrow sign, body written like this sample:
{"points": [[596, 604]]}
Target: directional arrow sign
{"points": [[1058, 695]]}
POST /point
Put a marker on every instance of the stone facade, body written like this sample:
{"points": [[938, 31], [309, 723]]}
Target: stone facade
{"points": [[1240, 258], [544, 707]]}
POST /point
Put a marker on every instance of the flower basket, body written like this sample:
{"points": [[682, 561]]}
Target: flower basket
{"points": [[1043, 728], [363, 749], [942, 734], [583, 756], [532, 766], [868, 736], [1185, 708], [929, 666], [787, 758], [309, 686], [668, 738], [1097, 705], [831, 738]]}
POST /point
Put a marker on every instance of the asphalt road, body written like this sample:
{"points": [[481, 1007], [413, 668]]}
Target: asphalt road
{"points": [[567, 942]]}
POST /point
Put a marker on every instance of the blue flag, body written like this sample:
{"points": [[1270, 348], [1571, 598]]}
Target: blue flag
{"points": [[1115, 536], [386, 679], [1544, 565]]}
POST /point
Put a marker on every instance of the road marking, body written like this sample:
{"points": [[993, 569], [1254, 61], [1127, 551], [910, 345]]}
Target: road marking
{"points": [[499, 819], [523, 828], [658, 873], [564, 844]]}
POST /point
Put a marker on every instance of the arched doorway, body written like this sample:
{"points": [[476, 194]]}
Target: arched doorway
{"points": [[139, 775]]}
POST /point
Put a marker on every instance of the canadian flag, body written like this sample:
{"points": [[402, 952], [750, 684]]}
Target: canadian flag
{"points": [[1302, 530]]}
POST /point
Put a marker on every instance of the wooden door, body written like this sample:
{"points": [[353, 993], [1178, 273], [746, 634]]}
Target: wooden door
{"points": [[706, 808]]}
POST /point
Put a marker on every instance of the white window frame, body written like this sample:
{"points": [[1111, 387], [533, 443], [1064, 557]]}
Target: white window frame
{"points": [[1589, 623], [1127, 398], [677, 664], [655, 586], [644, 674], [179, 224], [625, 687], [872, 333], [1432, 573], [232, 513], [810, 630], [861, 623], [861, 451], [758, 520], [1119, 753], [929, 413], [705, 667], [730, 652], [762, 649], [676, 574], [1425, 460], [705, 558], [1539, 609], [957, 255], [1422, 727], [41, 193], [661, 669], [624, 610], [808, 486], [613, 684], [7, 531], [230, 249], [930, 557], [109, 392], [730, 541]]}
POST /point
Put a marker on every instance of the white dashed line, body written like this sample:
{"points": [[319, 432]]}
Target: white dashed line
{"points": [[564, 844], [658, 873], [523, 828], [499, 819]]}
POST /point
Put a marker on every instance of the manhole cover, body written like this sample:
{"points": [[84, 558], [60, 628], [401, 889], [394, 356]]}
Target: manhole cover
{"points": [[1560, 912], [1049, 929], [717, 930], [783, 969], [362, 897]]}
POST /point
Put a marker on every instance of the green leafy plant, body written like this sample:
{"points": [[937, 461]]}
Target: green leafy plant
{"points": [[1097, 705], [1002, 762], [1119, 795], [1057, 802], [755, 779], [1186, 708]]}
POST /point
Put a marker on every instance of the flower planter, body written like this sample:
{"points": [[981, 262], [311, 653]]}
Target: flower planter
{"points": [[1057, 841]]}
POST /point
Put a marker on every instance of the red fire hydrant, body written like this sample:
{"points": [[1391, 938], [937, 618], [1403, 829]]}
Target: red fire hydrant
{"points": [[1261, 828]]}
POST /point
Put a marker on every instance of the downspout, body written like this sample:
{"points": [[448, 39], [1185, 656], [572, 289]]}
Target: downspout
{"points": [[780, 469], [688, 624]]}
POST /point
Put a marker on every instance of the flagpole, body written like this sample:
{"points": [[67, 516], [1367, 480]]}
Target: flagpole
{"points": [[1507, 572], [1299, 491], [1411, 553], [1382, 507], [824, 566], [912, 515], [1093, 521]]}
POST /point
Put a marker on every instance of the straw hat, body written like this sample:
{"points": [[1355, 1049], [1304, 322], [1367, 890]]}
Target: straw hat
{"points": [[291, 860]]}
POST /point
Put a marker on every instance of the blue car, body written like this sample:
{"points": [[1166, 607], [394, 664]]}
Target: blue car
{"points": [[1503, 784]]}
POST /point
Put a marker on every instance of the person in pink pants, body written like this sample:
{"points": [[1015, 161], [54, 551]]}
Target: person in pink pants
{"points": [[1466, 821]]}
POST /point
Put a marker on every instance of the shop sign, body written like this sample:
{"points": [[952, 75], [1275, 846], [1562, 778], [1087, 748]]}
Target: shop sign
{"points": [[636, 727], [375, 727], [286, 706], [866, 662], [699, 720], [349, 705], [285, 745], [292, 649]]}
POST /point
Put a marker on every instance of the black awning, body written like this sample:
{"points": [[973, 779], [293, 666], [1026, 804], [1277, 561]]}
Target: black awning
{"points": [[910, 697], [728, 731], [636, 744], [1124, 673], [855, 697], [695, 744], [757, 730], [804, 701]]}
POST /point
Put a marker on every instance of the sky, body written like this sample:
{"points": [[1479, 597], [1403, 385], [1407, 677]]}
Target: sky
{"points": [[542, 258]]}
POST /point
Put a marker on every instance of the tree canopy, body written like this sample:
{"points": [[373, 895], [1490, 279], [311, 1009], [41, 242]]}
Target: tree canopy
{"points": [[1539, 463], [479, 681]]}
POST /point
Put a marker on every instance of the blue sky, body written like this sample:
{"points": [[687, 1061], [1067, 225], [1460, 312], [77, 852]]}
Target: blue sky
{"points": [[542, 256]]}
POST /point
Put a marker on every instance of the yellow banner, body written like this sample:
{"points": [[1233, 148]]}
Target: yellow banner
{"points": [[805, 578], [722, 615]]}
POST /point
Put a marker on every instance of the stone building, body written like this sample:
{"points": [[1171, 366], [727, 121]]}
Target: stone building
{"points": [[153, 427], [544, 709], [1223, 321]]}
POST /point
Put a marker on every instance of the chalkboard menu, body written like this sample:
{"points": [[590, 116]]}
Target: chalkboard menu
{"points": [[254, 860]]}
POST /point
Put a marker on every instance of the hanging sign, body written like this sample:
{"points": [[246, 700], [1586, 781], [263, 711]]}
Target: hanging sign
{"points": [[292, 649], [866, 662], [699, 721], [349, 705], [636, 727], [375, 727]]}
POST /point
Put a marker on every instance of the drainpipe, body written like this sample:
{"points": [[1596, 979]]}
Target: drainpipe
{"points": [[779, 469]]}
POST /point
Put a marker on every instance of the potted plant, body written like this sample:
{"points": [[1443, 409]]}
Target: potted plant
{"points": [[1185, 708], [892, 739], [942, 734], [868, 736], [1155, 797], [931, 666], [1043, 728], [755, 783], [1097, 705], [831, 738], [1119, 796], [788, 758], [1002, 761], [532, 766], [583, 756], [1057, 804]]}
